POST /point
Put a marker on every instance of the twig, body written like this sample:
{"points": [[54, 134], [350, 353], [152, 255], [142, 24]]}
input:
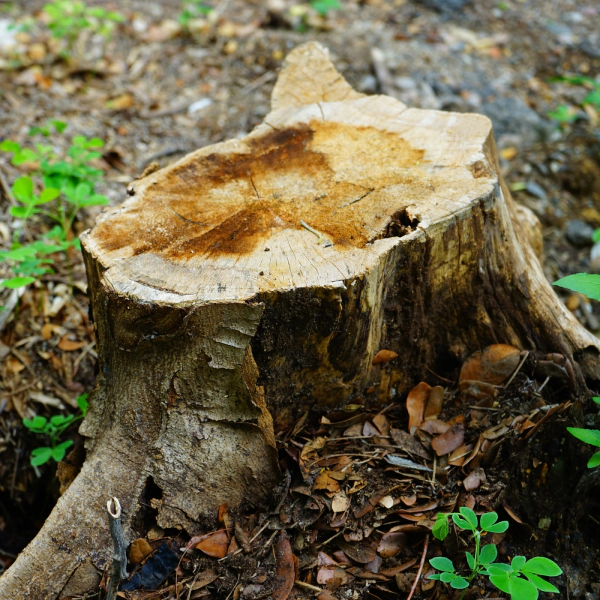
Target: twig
{"points": [[308, 586], [119, 566], [517, 369], [249, 542], [416, 581]]}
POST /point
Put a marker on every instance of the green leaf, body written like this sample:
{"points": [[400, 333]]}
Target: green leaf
{"points": [[17, 282], [59, 420], [23, 189], [594, 461], [448, 577], [499, 569], [10, 146], [596, 235], [487, 520], [501, 582], [440, 527], [593, 98], [462, 523], [435, 577], [564, 114], [39, 456], [22, 212], [60, 126], [499, 527], [470, 560], [21, 253], [520, 589], [584, 283], [38, 422], [58, 453], [541, 565], [541, 584], [460, 583], [469, 515], [517, 563], [441, 563], [47, 195], [589, 436], [83, 403], [488, 554], [596, 399]]}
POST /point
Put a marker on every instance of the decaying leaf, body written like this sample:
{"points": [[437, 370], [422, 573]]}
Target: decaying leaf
{"points": [[285, 572], [384, 356], [415, 404], [382, 423], [495, 364], [387, 501], [435, 426], [360, 553], [391, 543], [404, 462], [340, 502], [449, 441], [474, 479], [311, 447], [215, 544], [434, 403], [408, 443], [325, 482], [139, 550]]}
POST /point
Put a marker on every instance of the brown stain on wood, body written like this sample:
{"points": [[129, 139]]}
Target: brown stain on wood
{"points": [[228, 204]]}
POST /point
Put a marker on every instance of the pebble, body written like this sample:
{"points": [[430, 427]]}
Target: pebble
{"points": [[536, 190], [579, 233], [595, 258]]}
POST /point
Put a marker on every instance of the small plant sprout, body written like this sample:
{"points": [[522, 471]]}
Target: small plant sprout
{"points": [[324, 7], [589, 436], [192, 9], [54, 428], [68, 19], [521, 579]]}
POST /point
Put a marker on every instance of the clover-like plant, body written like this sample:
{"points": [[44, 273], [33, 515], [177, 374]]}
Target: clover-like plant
{"points": [[54, 428], [521, 579]]}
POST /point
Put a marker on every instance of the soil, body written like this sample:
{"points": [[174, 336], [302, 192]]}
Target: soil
{"points": [[155, 92]]}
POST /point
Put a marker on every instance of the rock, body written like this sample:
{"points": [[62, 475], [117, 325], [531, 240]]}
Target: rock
{"points": [[595, 258], [579, 233], [444, 6], [536, 190], [511, 115], [368, 84]]}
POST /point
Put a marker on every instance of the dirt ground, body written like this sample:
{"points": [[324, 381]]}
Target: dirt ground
{"points": [[155, 92]]}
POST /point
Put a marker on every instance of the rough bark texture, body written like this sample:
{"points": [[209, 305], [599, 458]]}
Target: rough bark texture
{"points": [[259, 277]]}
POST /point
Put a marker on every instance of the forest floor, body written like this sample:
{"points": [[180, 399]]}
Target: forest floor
{"points": [[357, 522]]}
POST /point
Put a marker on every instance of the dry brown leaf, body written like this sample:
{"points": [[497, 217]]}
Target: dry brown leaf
{"points": [[360, 553], [139, 550], [312, 447], [415, 404], [325, 482], [435, 402], [285, 572], [326, 595], [324, 560], [408, 443], [457, 458], [395, 570], [435, 426], [409, 500], [214, 545], [382, 423], [387, 501], [340, 502], [449, 441], [369, 430], [357, 486], [474, 480], [495, 364], [384, 356], [67, 345], [478, 390], [354, 430], [391, 544]]}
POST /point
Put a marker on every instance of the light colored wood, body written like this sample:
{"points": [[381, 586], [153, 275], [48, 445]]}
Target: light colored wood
{"points": [[257, 278]]}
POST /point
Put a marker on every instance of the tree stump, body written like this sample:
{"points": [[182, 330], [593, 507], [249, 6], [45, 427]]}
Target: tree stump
{"points": [[258, 278]]}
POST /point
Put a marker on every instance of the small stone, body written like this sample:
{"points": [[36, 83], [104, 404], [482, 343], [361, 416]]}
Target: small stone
{"points": [[536, 190], [573, 302], [544, 523], [230, 47], [405, 83], [368, 84], [36, 52], [579, 233]]}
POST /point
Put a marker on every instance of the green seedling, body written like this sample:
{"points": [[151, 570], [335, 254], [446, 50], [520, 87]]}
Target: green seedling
{"points": [[68, 19], [520, 580], [54, 428], [192, 9], [65, 187], [589, 436], [324, 7], [568, 114]]}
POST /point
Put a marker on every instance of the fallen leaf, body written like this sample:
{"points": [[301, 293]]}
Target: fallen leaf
{"points": [[324, 560], [391, 544], [408, 443], [395, 570], [479, 390], [369, 430], [139, 550], [215, 544], [324, 574], [341, 557], [68, 345], [415, 404], [326, 595], [325, 482], [357, 486], [360, 553], [494, 364], [374, 565], [435, 402], [404, 581], [404, 462], [386, 501], [449, 441], [312, 446], [409, 500], [382, 423], [354, 431], [435, 426], [384, 356], [122, 102], [474, 480], [457, 458], [340, 502], [285, 572]]}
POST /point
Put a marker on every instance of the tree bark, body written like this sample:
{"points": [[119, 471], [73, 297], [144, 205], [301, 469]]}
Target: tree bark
{"points": [[258, 278]]}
